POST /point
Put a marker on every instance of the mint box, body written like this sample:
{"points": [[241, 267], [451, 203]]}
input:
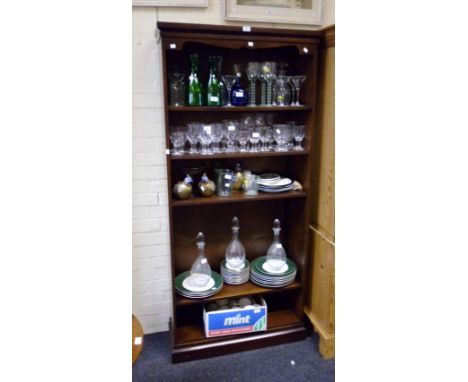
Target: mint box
{"points": [[236, 321]]}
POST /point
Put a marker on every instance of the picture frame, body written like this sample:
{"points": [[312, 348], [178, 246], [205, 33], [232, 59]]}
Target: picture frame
{"points": [[273, 11], [170, 3]]}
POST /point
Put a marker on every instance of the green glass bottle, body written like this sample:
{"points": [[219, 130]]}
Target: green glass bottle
{"points": [[213, 90], [194, 89]]}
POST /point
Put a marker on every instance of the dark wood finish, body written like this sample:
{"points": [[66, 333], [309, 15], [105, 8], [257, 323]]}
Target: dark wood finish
{"points": [[283, 326], [231, 291], [329, 37], [239, 155], [238, 197], [285, 305], [233, 109]]}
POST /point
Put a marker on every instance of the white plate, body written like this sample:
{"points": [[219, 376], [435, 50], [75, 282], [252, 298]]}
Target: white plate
{"points": [[187, 285]]}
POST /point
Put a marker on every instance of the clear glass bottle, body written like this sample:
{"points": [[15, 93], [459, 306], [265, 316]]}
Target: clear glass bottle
{"points": [[282, 91], [222, 88], [195, 89], [200, 273], [239, 95], [213, 89], [276, 255], [235, 252]]}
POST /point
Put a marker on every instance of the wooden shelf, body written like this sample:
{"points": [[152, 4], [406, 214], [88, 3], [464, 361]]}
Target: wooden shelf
{"points": [[247, 154], [237, 108], [238, 197], [231, 291], [195, 334]]}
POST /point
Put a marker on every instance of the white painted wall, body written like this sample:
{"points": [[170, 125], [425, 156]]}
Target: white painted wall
{"points": [[152, 298]]}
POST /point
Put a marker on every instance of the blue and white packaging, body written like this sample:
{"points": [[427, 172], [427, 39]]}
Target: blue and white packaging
{"points": [[236, 321]]}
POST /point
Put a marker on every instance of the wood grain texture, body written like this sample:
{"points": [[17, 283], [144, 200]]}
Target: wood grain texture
{"points": [[285, 306], [320, 299], [323, 182], [137, 331]]}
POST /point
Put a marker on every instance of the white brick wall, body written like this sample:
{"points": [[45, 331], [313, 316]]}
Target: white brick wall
{"points": [[152, 293]]}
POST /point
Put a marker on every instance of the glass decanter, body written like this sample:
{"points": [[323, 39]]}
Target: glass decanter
{"points": [[213, 89], [194, 90], [235, 252], [276, 255], [239, 95], [282, 91], [200, 273]]}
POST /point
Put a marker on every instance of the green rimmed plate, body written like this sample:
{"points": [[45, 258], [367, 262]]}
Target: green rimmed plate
{"points": [[257, 268], [188, 293]]}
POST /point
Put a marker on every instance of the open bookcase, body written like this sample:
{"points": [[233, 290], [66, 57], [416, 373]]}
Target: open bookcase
{"points": [[213, 215]]}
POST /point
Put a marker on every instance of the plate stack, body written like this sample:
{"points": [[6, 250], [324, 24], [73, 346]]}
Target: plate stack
{"points": [[235, 276], [184, 288], [274, 183], [261, 274]]}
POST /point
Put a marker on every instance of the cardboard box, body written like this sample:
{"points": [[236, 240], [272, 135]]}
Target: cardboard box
{"points": [[236, 321]]}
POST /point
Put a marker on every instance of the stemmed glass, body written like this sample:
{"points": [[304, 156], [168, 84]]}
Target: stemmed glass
{"points": [[178, 139], [269, 75], [296, 82], [265, 136], [243, 136], [253, 74], [216, 136], [205, 139], [298, 132], [255, 135], [228, 81], [230, 131], [282, 135], [192, 136]]}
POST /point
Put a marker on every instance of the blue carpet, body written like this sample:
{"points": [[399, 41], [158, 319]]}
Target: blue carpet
{"points": [[270, 364]]}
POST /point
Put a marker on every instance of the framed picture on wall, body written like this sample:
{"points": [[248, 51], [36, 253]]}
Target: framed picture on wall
{"points": [[308, 12], [169, 3]]}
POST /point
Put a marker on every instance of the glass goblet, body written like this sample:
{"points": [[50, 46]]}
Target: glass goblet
{"points": [[230, 131], [280, 134], [253, 74], [177, 137], [205, 139], [228, 80], [298, 133], [216, 136], [269, 75], [243, 137], [296, 82], [192, 137]]}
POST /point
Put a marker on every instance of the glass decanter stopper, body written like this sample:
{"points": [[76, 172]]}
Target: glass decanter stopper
{"points": [[235, 252], [200, 273], [276, 255]]}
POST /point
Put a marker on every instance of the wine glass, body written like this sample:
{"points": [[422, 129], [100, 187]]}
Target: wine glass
{"points": [[269, 75], [205, 139], [228, 81], [243, 136], [255, 135], [230, 131], [296, 82], [282, 135], [253, 74], [177, 137], [298, 132], [265, 136], [216, 136], [192, 136]]}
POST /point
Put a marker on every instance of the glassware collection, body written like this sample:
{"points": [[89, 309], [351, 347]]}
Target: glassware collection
{"points": [[277, 88], [249, 134], [274, 270], [228, 181]]}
